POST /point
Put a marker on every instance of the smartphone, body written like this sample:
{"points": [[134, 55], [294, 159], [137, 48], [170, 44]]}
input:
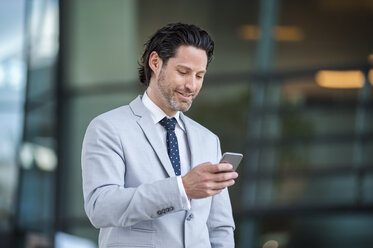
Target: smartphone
{"points": [[233, 158]]}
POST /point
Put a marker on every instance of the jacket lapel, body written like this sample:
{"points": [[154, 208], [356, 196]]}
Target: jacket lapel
{"points": [[193, 139], [195, 144], [146, 123]]}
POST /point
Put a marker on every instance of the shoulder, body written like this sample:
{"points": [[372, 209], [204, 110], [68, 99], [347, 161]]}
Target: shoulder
{"points": [[114, 115], [114, 119]]}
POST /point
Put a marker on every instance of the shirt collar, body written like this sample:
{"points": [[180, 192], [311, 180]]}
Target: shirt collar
{"points": [[157, 113]]}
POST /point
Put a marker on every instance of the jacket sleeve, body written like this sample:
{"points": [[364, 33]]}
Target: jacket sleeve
{"points": [[107, 201], [220, 221]]}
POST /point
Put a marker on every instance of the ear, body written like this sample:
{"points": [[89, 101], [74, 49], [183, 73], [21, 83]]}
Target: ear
{"points": [[155, 63]]}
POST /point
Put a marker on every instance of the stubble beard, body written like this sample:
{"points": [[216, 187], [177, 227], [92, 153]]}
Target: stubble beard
{"points": [[169, 96]]}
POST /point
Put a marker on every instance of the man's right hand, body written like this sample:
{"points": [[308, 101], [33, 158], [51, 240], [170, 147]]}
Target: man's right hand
{"points": [[208, 179]]}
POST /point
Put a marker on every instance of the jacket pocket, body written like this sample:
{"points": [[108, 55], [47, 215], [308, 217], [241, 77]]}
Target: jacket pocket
{"points": [[143, 226]]}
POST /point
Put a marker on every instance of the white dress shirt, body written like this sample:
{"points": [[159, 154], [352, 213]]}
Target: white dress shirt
{"points": [[157, 115]]}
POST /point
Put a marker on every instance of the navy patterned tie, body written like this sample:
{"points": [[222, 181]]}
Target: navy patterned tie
{"points": [[172, 145]]}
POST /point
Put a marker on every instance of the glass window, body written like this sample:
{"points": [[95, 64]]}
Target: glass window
{"points": [[12, 84]]}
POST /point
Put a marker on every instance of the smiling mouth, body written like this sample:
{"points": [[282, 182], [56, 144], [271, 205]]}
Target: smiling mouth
{"points": [[185, 95]]}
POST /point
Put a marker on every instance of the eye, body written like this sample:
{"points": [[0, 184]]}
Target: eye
{"points": [[182, 72], [200, 76]]}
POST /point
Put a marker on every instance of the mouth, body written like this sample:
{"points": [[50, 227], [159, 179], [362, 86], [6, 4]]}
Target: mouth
{"points": [[186, 96]]}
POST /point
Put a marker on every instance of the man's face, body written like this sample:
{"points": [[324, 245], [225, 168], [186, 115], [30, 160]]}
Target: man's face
{"points": [[180, 80]]}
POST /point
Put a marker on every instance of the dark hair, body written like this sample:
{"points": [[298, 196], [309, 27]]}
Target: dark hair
{"points": [[168, 39]]}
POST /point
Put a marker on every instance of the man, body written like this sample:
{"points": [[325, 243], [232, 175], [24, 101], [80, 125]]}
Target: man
{"points": [[151, 175]]}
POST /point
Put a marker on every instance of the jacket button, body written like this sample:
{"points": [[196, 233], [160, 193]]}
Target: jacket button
{"points": [[190, 217]]}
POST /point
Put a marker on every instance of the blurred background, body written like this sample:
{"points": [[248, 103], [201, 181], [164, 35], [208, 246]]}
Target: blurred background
{"points": [[290, 87]]}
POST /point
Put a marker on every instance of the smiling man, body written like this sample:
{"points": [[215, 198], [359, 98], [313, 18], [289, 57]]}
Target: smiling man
{"points": [[151, 175], [179, 81]]}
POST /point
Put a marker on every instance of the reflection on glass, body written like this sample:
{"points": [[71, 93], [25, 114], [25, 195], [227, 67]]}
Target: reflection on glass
{"points": [[37, 156], [12, 81]]}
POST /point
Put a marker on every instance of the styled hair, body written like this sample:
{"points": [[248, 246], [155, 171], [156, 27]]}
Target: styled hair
{"points": [[168, 39]]}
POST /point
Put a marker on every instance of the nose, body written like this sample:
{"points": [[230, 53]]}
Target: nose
{"points": [[191, 83]]}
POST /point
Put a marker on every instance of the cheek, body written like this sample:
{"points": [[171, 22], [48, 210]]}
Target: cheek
{"points": [[199, 86], [178, 81], [171, 78]]}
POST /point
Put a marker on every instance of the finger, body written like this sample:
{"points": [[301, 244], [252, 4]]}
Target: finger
{"points": [[222, 185], [220, 167], [203, 166], [225, 176], [213, 192]]}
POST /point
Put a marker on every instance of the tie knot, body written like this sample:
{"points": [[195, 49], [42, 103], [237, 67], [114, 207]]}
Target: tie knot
{"points": [[169, 124]]}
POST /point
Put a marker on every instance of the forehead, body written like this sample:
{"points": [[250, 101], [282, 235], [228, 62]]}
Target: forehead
{"points": [[190, 56]]}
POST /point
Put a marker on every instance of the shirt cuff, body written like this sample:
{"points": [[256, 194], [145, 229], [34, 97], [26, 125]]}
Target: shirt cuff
{"points": [[184, 199]]}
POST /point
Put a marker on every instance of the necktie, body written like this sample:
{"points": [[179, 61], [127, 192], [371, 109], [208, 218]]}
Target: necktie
{"points": [[172, 145]]}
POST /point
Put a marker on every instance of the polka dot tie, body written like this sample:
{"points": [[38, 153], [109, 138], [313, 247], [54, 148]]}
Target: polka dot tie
{"points": [[172, 145]]}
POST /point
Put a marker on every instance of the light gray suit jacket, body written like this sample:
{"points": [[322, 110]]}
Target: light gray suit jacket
{"points": [[130, 188]]}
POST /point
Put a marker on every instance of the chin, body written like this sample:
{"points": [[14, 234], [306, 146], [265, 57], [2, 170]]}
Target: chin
{"points": [[183, 107]]}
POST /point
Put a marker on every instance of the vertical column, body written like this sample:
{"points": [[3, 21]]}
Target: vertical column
{"points": [[360, 128], [267, 20], [98, 48]]}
